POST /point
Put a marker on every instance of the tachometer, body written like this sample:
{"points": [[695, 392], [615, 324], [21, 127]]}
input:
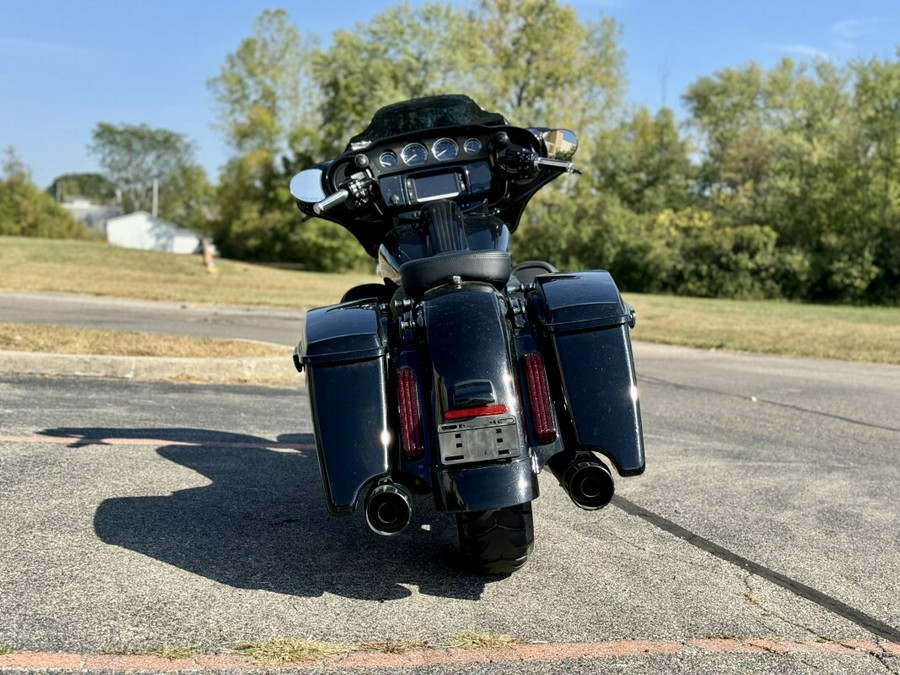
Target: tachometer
{"points": [[445, 149], [414, 154]]}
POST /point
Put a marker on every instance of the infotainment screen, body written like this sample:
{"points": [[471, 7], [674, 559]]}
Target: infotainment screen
{"points": [[437, 186]]}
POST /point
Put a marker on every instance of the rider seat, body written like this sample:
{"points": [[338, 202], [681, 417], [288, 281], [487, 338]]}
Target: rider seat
{"points": [[493, 267]]}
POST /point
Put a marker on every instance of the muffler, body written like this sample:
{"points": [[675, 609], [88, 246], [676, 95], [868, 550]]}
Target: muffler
{"points": [[388, 509], [587, 480]]}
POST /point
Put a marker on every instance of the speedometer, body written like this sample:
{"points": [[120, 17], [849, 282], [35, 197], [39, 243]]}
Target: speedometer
{"points": [[414, 154], [445, 149]]}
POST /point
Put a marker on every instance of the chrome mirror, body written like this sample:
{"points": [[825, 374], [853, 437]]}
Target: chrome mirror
{"points": [[560, 143], [306, 186]]}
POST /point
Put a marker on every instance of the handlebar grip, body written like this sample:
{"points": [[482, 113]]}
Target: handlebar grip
{"points": [[331, 201], [559, 164]]}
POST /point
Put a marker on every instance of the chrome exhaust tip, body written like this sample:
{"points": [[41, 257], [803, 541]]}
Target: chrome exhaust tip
{"points": [[587, 480], [388, 509]]}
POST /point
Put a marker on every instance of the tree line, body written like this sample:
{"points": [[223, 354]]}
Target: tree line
{"points": [[780, 183]]}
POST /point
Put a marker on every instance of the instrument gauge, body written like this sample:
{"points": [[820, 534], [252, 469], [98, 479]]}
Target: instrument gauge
{"points": [[472, 146], [414, 154], [387, 159], [445, 149]]}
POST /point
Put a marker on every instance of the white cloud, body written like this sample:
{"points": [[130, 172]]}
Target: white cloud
{"points": [[805, 51], [847, 33], [851, 29]]}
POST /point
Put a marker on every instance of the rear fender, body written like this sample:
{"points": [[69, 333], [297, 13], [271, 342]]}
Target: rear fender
{"points": [[481, 458]]}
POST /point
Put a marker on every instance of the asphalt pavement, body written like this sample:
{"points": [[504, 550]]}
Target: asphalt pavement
{"points": [[265, 324], [764, 536]]}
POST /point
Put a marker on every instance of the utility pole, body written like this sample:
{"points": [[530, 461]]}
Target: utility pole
{"points": [[155, 207]]}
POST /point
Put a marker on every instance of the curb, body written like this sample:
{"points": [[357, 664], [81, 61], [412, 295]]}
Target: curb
{"points": [[513, 656], [269, 370]]}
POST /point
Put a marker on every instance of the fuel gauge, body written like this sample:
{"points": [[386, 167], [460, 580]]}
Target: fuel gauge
{"points": [[387, 159], [472, 146]]}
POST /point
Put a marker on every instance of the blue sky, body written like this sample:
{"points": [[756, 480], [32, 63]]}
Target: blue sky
{"points": [[66, 66]]}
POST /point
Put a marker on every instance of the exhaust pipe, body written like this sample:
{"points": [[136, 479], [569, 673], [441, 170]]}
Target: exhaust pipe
{"points": [[388, 509], [587, 480]]}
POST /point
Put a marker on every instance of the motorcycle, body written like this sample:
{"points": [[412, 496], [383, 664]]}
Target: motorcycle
{"points": [[462, 376]]}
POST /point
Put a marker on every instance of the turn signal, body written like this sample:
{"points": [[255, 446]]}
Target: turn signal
{"points": [[410, 419], [539, 397]]}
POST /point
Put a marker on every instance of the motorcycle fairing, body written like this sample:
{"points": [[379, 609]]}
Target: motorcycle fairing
{"points": [[344, 350]]}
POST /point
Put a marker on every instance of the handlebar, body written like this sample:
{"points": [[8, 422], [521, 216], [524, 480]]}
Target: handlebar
{"points": [[559, 164], [331, 201], [358, 188], [521, 162], [524, 163]]}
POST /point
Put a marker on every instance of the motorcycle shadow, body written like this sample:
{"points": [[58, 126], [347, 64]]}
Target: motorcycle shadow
{"points": [[262, 524]]}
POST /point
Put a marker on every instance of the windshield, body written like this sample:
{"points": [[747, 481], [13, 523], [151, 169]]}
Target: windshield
{"points": [[432, 112]]}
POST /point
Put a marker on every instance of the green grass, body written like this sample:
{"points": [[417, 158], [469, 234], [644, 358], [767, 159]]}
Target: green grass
{"points": [[96, 268], [34, 337], [175, 652], [170, 652], [850, 333], [284, 651], [870, 334], [473, 640]]}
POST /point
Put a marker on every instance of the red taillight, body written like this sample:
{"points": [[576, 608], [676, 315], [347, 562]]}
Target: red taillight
{"points": [[410, 427], [539, 397], [480, 411]]}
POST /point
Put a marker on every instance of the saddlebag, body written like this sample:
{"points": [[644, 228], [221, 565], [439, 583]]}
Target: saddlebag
{"points": [[344, 350], [584, 323]]}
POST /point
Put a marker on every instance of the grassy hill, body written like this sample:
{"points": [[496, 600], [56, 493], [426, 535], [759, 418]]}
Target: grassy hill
{"points": [[97, 268], [65, 266]]}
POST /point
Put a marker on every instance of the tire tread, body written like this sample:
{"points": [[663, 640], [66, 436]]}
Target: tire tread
{"points": [[498, 541]]}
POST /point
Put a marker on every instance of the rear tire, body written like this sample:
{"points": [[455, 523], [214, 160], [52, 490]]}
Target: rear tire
{"points": [[498, 541]]}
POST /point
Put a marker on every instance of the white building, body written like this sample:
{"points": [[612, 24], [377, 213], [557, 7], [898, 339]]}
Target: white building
{"points": [[141, 230], [94, 216]]}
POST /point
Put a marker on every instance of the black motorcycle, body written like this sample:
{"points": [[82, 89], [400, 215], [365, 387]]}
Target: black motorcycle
{"points": [[462, 375]]}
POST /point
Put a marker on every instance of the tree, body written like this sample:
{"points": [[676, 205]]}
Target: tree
{"points": [[401, 53], [26, 211], [645, 162], [267, 110], [541, 66], [811, 152], [531, 60], [93, 186], [263, 91], [876, 105], [133, 156]]}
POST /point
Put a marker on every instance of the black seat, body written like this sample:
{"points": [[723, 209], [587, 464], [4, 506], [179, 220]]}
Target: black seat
{"points": [[493, 267]]}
